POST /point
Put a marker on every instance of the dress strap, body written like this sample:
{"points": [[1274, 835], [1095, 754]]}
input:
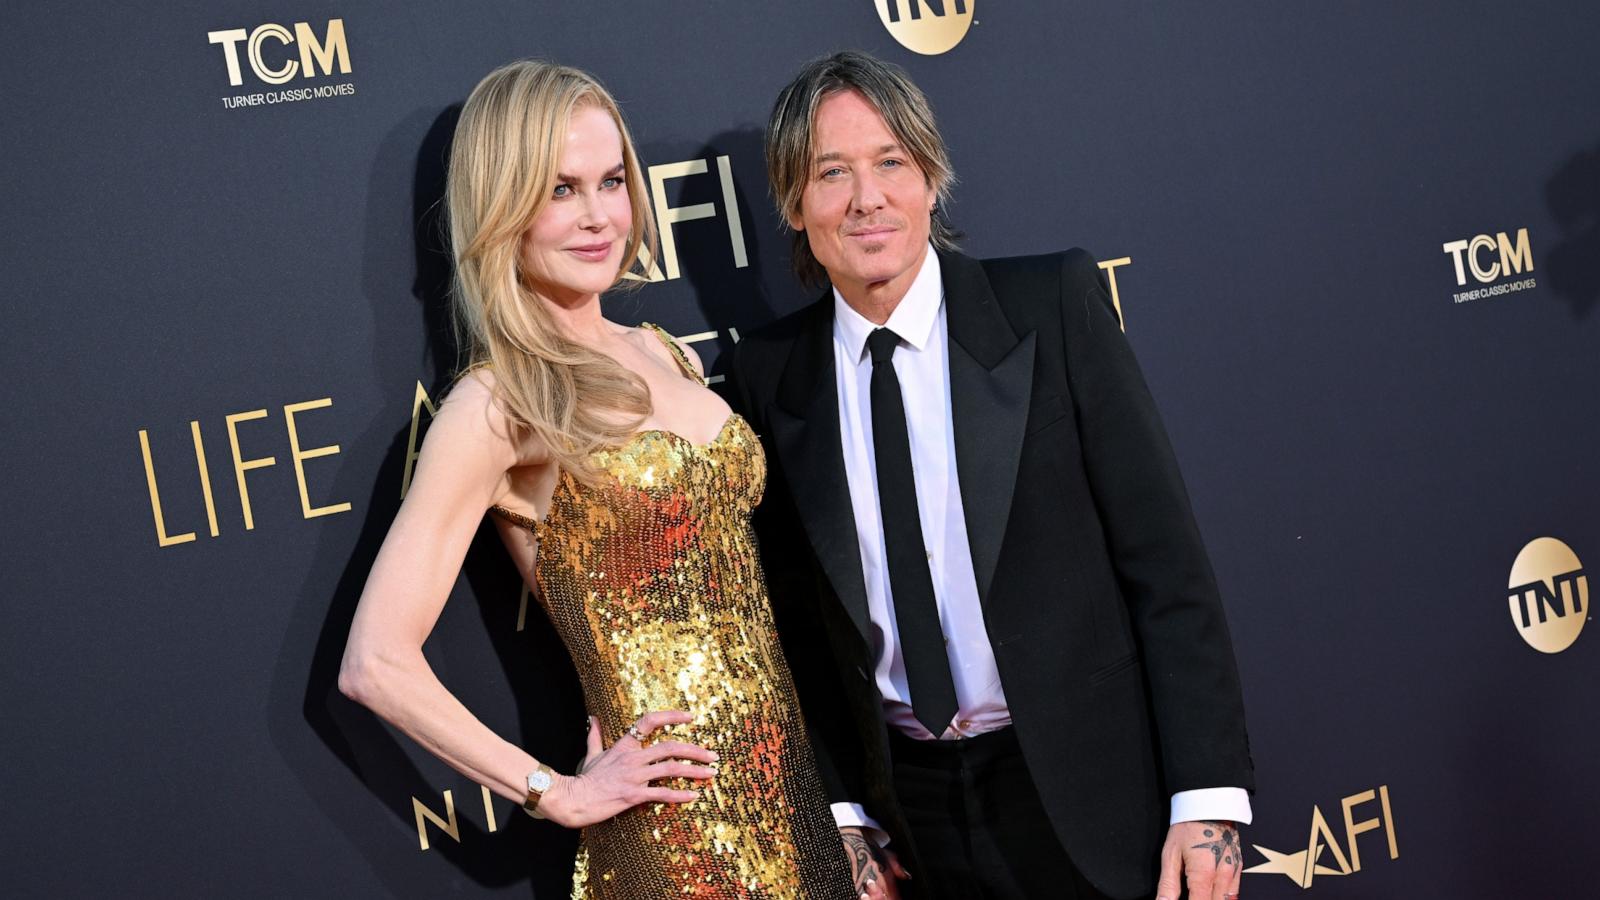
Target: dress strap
{"points": [[677, 351], [514, 518]]}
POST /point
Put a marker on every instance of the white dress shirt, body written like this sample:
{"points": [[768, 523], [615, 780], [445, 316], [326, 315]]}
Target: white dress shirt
{"points": [[921, 362]]}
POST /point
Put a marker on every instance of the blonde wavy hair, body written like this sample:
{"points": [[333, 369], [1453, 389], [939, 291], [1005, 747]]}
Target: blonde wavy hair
{"points": [[503, 166]]}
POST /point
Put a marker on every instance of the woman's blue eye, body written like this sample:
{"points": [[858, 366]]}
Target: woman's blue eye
{"points": [[612, 182], [562, 190]]}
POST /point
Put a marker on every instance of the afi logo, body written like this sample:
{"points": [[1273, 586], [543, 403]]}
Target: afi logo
{"points": [[1303, 866], [315, 53], [1515, 257]]}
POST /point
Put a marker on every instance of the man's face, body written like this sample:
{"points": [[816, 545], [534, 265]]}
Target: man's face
{"points": [[867, 207]]}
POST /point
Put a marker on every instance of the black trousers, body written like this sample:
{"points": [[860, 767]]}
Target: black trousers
{"points": [[979, 827]]}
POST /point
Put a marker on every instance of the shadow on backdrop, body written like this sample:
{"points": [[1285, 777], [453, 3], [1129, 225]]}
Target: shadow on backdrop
{"points": [[728, 296], [532, 661], [1573, 196]]}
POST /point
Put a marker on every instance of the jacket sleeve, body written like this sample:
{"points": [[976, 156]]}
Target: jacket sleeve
{"points": [[1160, 563]]}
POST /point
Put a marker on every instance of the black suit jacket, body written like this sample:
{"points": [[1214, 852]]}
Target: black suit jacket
{"points": [[1096, 592]]}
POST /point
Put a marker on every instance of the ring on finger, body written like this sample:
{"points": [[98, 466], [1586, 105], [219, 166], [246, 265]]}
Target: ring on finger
{"points": [[635, 733]]}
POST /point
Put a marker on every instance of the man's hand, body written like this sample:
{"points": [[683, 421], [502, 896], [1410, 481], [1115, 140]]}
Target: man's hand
{"points": [[868, 863], [1207, 856]]}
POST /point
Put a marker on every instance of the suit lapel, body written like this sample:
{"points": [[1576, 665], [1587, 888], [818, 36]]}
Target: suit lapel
{"points": [[991, 377], [805, 431]]}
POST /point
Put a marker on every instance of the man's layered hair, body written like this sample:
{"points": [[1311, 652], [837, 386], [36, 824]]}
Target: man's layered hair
{"points": [[791, 139]]}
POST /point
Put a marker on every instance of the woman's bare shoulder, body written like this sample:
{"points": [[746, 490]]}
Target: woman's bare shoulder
{"points": [[473, 413]]}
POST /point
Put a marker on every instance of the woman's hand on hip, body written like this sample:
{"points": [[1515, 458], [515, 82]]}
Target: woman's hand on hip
{"points": [[620, 777]]}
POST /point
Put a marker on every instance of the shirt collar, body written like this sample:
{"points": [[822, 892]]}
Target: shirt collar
{"points": [[913, 318]]}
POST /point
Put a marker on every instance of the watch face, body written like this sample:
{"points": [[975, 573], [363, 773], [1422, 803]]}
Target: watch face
{"points": [[539, 781]]}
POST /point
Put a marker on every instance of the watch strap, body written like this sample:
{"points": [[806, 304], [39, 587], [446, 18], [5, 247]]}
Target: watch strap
{"points": [[541, 774]]}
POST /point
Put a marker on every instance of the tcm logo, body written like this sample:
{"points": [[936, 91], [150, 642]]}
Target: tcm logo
{"points": [[1549, 595], [929, 27], [1303, 866], [1491, 258], [316, 53]]}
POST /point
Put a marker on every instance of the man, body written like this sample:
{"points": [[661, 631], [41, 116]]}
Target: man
{"points": [[1004, 629]]}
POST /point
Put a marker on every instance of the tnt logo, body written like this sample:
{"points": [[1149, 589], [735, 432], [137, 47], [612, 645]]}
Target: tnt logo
{"points": [[1303, 866], [1512, 258], [1548, 592], [929, 27], [316, 53]]}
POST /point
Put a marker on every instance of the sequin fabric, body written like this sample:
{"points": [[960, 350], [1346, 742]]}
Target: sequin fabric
{"points": [[652, 579]]}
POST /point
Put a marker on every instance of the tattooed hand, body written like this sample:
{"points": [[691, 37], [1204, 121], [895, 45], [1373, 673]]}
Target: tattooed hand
{"points": [[1206, 856], [868, 863]]}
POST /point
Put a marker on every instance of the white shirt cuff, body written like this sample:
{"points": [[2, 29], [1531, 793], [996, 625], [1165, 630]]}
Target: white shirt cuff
{"points": [[1218, 804], [851, 815]]}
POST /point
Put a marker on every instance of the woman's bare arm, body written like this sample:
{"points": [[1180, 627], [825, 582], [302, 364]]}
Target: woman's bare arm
{"points": [[460, 472]]}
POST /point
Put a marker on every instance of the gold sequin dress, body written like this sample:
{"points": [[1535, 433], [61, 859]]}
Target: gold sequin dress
{"points": [[653, 582]]}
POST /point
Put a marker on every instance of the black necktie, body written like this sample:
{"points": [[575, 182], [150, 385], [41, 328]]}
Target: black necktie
{"points": [[933, 693]]}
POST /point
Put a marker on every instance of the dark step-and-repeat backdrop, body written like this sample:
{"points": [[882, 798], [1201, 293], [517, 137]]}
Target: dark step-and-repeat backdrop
{"points": [[1356, 246]]}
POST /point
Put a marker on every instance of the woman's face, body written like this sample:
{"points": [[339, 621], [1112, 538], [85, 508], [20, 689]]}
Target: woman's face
{"points": [[574, 248]]}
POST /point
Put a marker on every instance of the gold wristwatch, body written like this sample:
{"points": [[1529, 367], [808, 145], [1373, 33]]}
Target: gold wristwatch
{"points": [[539, 781]]}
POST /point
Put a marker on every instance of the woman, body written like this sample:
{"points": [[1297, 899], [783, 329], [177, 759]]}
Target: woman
{"points": [[623, 489]]}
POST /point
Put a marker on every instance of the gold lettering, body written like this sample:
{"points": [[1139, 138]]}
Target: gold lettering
{"points": [[667, 215], [448, 824], [229, 40], [1320, 830], [1110, 268], [300, 456], [259, 65], [651, 271], [1455, 249], [205, 476], [1482, 242], [1517, 258], [162, 538], [419, 401], [488, 808], [730, 205], [332, 47], [241, 465], [1388, 821], [1353, 828]]}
